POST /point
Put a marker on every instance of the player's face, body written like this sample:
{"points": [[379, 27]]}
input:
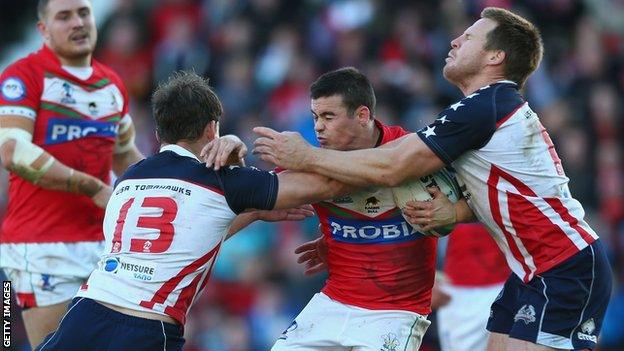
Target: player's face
{"points": [[333, 126], [467, 56], [69, 28]]}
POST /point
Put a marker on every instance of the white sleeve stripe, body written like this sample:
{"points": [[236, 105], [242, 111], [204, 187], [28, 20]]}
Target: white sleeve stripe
{"points": [[18, 111]]}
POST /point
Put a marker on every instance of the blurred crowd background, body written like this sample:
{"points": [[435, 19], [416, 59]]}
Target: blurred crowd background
{"points": [[262, 55]]}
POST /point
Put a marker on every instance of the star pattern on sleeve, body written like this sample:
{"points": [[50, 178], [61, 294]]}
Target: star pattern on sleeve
{"points": [[442, 119], [429, 131], [456, 105]]}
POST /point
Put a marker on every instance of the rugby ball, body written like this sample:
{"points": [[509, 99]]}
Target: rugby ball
{"points": [[416, 189]]}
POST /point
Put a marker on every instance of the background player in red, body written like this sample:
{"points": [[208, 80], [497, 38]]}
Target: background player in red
{"points": [[64, 125], [381, 270], [514, 181]]}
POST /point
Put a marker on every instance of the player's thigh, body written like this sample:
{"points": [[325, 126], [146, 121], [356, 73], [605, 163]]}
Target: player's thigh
{"points": [[317, 327], [385, 330], [41, 321], [497, 342]]}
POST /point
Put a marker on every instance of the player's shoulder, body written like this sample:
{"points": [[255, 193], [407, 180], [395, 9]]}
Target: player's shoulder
{"points": [[171, 165], [390, 132], [29, 66], [485, 106]]}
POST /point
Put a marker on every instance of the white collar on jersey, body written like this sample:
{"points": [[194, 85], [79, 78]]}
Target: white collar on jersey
{"points": [[506, 81], [82, 73], [178, 150]]}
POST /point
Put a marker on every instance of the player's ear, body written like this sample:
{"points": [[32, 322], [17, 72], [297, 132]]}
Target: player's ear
{"points": [[363, 115], [212, 130], [41, 27], [496, 57]]}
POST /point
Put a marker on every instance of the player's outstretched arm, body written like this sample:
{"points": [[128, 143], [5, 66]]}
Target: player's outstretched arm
{"points": [[126, 153], [299, 188], [382, 166], [291, 214], [31, 163]]}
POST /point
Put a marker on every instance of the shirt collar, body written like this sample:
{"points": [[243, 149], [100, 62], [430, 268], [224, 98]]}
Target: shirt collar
{"points": [[178, 150]]}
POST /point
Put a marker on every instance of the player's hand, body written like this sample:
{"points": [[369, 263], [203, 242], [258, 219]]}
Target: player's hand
{"points": [[314, 255], [287, 150], [226, 150], [439, 298], [291, 214], [100, 199], [437, 212]]}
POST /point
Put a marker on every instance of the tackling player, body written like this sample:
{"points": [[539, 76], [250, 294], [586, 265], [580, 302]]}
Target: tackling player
{"points": [[514, 183], [64, 124], [164, 225]]}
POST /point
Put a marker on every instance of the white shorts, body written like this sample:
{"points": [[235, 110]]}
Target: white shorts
{"points": [[325, 324], [461, 323], [44, 274], [39, 290]]}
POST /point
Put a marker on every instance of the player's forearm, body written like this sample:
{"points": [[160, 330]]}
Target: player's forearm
{"points": [[359, 168], [241, 222], [62, 178], [463, 212], [122, 161]]}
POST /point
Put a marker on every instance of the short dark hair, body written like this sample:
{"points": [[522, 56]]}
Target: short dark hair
{"points": [[354, 87], [42, 8], [183, 106], [519, 39]]}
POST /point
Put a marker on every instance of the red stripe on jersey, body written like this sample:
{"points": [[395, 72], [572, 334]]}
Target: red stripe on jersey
{"points": [[161, 295], [213, 189], [504, 119], [498, 218], [542, 238], [558, 206]]}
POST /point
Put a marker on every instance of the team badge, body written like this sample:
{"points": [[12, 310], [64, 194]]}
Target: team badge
{"points": [[587, 329], [390, 342], [526, 314], [13, 89]]}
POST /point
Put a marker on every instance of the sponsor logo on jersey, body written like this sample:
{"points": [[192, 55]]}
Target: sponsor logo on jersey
{"points": [[130, 268], [587, 329], [526, 314], [371, 205], [354, 231], [13, 89], [61, 130], [390, 342], [93, 108]]}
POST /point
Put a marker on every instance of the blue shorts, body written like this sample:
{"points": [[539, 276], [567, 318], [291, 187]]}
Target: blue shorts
{"points": [[562, 307], [90, 326]]}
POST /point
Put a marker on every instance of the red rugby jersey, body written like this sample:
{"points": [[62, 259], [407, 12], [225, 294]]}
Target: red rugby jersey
{"points": [[376, 259], [76, 121]]}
